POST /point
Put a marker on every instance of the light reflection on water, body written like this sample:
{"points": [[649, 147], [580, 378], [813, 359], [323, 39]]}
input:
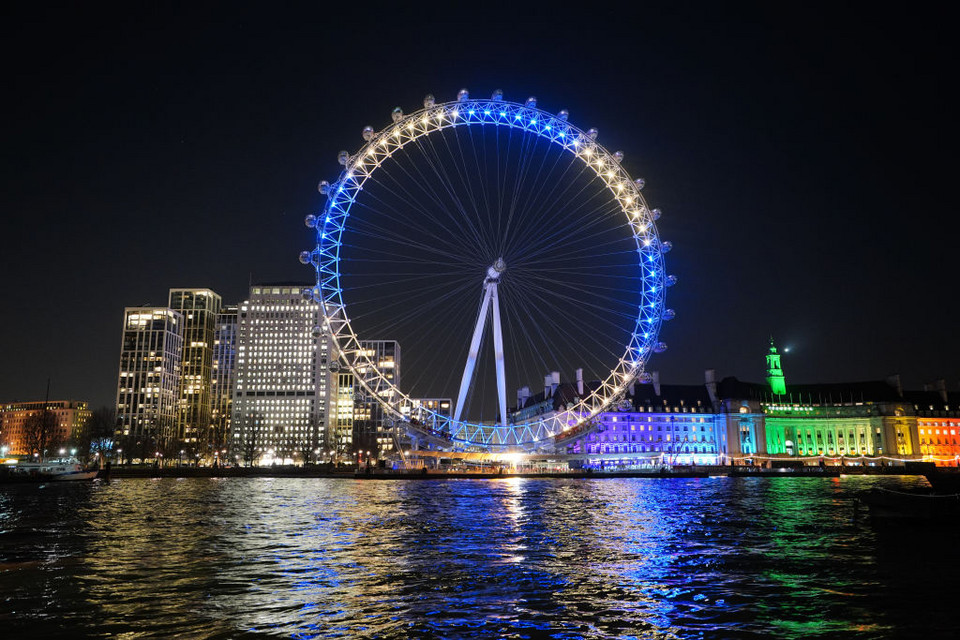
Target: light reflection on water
{"points": [[304, 558]]}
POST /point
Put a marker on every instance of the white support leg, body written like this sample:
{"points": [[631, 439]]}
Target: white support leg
{"points": [[472, 356], [498, 354], [489, 293]]}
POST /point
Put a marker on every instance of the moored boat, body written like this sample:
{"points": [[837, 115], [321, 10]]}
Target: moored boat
{"points": [[55, 470], [901, 505], [944, 479]]}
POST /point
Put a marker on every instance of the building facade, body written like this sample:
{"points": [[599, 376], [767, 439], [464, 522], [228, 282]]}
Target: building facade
{"points": [[66, 420], [734, 422], [373, 426], [340, 440], [148, 386], [937, 414], [199, 309], [223, 380], [281, 399]]}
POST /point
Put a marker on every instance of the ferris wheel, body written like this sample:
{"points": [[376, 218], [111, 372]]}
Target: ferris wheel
{"points": [[498, 244]]}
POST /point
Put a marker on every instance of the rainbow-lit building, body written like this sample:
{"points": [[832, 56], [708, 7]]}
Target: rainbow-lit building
{"points": [[733, 422], [662, 424]]}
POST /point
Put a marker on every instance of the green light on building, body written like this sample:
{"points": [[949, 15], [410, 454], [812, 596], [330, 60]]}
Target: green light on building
{"points": [[774, 373]]}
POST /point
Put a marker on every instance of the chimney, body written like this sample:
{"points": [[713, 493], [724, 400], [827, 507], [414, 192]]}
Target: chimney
{"points": [[940, 386], [580, 382], [546, 385], [710, 379], [656, 383], [523, 393], [554, 381]]}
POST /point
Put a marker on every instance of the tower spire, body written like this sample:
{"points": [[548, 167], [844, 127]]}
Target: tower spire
{"points": [[775, 379]]}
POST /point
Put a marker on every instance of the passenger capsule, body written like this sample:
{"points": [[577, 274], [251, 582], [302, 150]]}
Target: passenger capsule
{"points": [[564, 114], [310, 221], [670, 281], [640, 182], [429, 101], [304, 257], [462, 95], [323, 187], [531, 102], [497, 95], [397, 114], [660, 347], [655, 214], [368, 133], [668, 314], [592, 134], [618, 156], [666, 246], [343, 158], [317, 332], [645, 378]]}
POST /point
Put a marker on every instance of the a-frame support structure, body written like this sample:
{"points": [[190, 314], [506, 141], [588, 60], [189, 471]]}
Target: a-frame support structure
{"points": [[490, 301]]}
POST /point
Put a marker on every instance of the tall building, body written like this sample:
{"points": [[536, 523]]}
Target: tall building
{"points": [[149, 380], [373, 424], [199, 308], [67, 421], [223, 379], [282, 397], [340, 434]]}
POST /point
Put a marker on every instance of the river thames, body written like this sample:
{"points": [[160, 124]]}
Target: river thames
{"points": [[506, 558]]}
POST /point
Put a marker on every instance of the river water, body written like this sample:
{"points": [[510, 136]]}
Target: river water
{"points": [[506, 558]]}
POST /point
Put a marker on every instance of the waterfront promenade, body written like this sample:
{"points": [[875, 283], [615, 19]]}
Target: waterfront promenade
{"points": [[374, 473]]}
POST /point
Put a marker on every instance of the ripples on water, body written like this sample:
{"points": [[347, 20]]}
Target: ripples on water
{"points": [[511, 558]]}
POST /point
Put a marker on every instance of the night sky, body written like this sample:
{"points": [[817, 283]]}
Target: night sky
{"points": [[802, 158]]}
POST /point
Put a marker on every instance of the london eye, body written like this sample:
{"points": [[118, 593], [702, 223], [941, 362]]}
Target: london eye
{"points": [[500, 245]]}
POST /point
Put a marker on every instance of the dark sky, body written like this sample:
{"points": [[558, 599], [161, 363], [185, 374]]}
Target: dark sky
{"points": [[802, 157]]}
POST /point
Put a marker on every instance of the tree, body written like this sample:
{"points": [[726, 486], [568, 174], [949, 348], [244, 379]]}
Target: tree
{"points": [[250, 437], [308, 446], [40, 432], [97, 436]]}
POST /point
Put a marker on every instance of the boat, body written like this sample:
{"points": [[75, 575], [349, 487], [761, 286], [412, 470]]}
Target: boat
{"points": [[55, 470], [901, 505], [944, 479], [68, 470]]}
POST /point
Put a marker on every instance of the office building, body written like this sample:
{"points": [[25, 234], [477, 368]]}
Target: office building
{"points": [[199, 309], [373, 425], [282, 396], [149, 381], [223, 380]]}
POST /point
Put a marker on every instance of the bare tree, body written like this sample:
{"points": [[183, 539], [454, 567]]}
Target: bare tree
{"points": [[40, 432], [250, 437]]}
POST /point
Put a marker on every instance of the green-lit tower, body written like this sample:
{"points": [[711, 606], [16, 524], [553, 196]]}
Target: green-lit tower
{"points": [[774, 373]]}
